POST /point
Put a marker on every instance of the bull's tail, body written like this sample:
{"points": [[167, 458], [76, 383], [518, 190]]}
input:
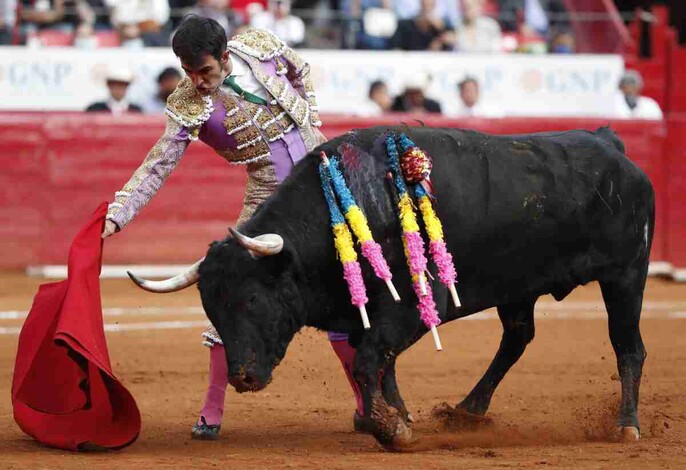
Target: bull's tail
{"points": [[608, 135]]}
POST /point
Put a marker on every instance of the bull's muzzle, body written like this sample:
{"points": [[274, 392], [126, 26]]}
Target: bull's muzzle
{"points": [[246, 382]]}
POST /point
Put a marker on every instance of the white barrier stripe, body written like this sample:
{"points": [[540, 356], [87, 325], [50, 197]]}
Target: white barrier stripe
{"points": [[162, 325], [115, 312], [59, 271], [118, 271], [119, 327], [13, 315], [543, 310], [13, 330], [173, 325]]}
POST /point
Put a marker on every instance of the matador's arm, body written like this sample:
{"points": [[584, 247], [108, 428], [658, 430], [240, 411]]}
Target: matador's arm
{"points": [[150, 176]]}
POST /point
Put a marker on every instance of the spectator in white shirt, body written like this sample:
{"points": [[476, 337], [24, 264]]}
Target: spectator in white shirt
{"points": [[470, 103], [139, 22], [278, 20], [630, 104], [8, 17], [477, 32], [379, 102]]}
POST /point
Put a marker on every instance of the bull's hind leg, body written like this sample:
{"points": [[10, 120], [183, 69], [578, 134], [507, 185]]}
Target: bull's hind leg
{"points": [[623, 299], [518, 331]]}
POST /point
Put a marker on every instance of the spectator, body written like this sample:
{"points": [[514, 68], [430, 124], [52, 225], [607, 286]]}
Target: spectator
{"points": [[532, 17], [630, 104], [140, 22], [562, 42], [278, 20], [470, 103], [369, 24], [379, 96], [477, 33], [408, 9], [379, 100], [40, 14], [8, 18], [84, 36], [118, 81], [426, 31], [167, 81], [219, 11], [413, 100]]}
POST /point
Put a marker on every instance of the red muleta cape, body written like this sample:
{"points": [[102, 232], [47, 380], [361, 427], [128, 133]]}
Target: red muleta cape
{"points": [[64, 393]]}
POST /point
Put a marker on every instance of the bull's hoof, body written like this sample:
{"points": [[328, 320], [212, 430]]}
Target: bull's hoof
{"points": [[403, 436], [458, 419], [630, 434], [363, 424], [396, 439]]}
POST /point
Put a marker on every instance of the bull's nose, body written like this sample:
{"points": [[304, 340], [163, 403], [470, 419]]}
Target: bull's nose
{"points": [[246, 382]]}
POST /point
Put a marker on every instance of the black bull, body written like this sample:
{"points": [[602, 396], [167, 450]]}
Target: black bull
{"points": [[523, 216]]}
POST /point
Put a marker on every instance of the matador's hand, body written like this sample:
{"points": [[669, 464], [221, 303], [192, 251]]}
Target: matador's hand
{"points": [[110, 228]]}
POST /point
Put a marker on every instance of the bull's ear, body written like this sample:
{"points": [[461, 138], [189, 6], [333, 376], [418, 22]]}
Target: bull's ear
{"points": [[286, 262]]}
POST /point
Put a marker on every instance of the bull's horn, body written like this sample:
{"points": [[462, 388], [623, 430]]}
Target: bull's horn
{"points": [[262, 245], [178, 282]]}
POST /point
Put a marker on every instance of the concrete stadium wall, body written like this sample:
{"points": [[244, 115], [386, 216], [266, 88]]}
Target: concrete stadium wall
{"points": [[56, 168]]}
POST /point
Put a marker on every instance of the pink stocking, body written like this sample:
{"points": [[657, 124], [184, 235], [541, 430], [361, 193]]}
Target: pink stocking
{"points": [[213, 410], [346, 354]]}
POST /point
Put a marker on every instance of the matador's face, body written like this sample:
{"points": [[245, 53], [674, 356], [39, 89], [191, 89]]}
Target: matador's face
{"points": [[209, 73]]}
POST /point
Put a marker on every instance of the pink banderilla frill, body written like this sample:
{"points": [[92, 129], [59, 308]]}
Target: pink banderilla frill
{"points": [[414, 244], [372, 251], [353, 275], [444, 262], [427, 311]]}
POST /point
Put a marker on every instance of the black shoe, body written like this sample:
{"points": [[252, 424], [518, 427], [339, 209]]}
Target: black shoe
{"points": [[204, 431], [363, 424]]}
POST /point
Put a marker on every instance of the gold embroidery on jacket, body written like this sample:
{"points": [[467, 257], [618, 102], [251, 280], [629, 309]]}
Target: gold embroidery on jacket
{"points": [[261, 184], [239, 124], [258, 43], [302, 70], [188, 108]]}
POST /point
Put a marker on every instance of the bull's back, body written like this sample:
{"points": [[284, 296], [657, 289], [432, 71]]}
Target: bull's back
{"points": [[539, 212]]}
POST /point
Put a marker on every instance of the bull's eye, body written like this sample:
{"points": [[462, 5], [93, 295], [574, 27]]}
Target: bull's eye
{"points": [[252, 299]]}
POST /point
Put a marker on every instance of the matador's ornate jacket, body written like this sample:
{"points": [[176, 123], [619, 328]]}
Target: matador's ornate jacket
{"points": [[268, 139]]}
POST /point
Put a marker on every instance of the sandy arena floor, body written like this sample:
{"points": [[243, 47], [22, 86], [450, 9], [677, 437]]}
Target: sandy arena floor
{"points": [[552, 410]]}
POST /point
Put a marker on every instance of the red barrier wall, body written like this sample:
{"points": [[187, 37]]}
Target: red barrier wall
{"points": [[58, 167], [675, 193]]}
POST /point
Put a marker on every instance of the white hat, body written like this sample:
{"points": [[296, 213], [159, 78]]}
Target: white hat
{"points": [[416, 81], [119, 74]]}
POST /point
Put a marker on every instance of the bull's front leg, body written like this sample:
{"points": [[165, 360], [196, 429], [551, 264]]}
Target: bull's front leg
{"points": [[389, 388], [375, 373]]}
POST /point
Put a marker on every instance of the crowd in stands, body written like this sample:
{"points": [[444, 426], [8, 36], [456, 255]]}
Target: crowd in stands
{"points": [[467, 26], [437, 25], [628, 103]]}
